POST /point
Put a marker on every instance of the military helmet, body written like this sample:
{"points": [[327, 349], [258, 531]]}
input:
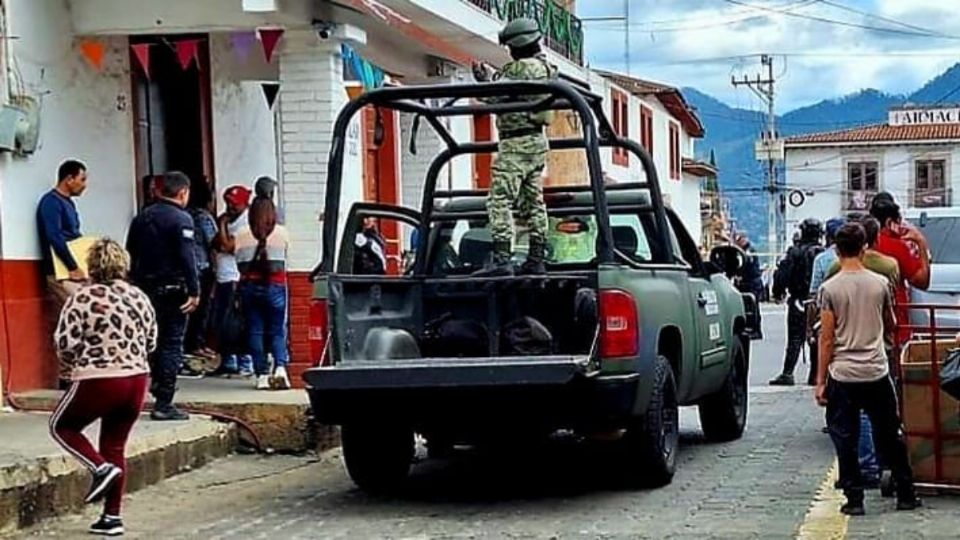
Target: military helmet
{"points": [[520, 33], [811, 228]]}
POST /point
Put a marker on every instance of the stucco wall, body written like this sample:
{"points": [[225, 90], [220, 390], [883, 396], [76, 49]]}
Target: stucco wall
{"points": [[243, 126], [85, 115]]}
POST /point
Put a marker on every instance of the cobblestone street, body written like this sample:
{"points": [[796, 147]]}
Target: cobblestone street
{"points": [[762, 486]]}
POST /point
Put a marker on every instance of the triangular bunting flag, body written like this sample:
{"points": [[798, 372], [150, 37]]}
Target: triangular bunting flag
{"points": [[269, 37], [270, 91], [187, 52], [243, 44], [142, 52], [94, 52]]}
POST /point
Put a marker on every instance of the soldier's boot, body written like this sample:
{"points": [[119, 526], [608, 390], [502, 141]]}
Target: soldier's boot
{"points": [[499, 264], [534, 265]]}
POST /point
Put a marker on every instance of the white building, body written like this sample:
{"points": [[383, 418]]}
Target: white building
{"points": [[204, 112], [915, 156]]}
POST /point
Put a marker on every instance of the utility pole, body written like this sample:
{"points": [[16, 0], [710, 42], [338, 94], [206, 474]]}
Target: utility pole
{"points": [[770, 149]]}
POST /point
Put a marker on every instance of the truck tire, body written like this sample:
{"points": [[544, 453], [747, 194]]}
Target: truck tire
{"points": [[377, 456], [652, 439], [723, 415]]}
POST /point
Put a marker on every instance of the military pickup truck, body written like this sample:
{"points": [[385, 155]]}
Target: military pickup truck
{"points": [[628, 324]]}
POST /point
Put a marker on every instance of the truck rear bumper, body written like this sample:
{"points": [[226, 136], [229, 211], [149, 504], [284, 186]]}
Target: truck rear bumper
{"points": [[558, 391]]}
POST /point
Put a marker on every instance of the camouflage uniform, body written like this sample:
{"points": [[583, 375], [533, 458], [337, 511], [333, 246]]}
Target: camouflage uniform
{"points": [[522, 153]]}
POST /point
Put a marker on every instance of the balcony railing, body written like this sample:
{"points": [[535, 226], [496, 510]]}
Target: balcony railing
{"points": [[562, 30], [931, 198]]}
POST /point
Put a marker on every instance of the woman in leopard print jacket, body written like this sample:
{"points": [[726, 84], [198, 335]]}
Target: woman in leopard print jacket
{"points": [[106, 330]]}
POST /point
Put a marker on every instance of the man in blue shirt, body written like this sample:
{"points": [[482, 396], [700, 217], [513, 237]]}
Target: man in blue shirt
{"points": [[59, 223], [825, 260]]}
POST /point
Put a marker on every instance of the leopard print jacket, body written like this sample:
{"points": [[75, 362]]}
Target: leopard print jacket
{"points": [[105, 330]]}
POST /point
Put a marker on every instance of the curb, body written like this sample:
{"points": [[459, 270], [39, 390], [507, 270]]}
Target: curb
{"points": [[281, 427], [54, 485]]}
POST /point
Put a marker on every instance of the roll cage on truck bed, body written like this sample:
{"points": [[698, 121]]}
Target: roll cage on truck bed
{"points": [[559, 95], [376, 374]]}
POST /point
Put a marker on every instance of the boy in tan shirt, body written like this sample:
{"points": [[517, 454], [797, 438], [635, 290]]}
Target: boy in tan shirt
{"points": [[856, 313]]}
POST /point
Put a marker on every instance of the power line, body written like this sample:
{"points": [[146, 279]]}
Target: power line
{"points": [[713, 22], [884, 19], [837, 22]]}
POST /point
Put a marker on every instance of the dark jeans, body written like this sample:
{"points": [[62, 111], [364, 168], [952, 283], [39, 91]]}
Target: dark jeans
{"points": [[265, 307], [224, 301], [796, 339], [879, 401], [198, 326], [166, 361]]}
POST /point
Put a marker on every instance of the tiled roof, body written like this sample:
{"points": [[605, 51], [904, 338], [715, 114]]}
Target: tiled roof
{"points": [[670, 96], [881, 133]]}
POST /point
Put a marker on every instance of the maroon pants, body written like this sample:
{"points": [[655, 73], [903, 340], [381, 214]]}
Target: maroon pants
{"points": [[116, 402]]}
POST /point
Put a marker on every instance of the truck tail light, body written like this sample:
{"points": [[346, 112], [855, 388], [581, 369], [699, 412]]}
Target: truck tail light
{"points": [[619, 324], [317, 332]]}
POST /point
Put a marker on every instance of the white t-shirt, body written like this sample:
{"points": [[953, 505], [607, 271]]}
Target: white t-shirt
{"points": [[227, 270]]}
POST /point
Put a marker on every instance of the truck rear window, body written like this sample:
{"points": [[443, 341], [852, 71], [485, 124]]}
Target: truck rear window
{"points": [[463, 246]]}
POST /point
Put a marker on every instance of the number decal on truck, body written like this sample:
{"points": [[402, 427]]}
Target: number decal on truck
{"points": [[715, 332]]}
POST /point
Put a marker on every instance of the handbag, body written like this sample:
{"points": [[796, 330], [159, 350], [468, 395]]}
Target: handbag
{"points": [[950, 374]]}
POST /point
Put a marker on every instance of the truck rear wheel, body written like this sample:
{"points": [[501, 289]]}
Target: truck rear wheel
{"points": [[652, 439], [723, 415], [377, 456]]}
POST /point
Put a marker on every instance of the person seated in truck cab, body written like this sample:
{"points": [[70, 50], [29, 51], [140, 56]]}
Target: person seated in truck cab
{"points": [[370, 255]]}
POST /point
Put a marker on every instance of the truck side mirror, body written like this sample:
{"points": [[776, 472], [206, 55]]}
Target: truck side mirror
{"points": [[730, 259]]}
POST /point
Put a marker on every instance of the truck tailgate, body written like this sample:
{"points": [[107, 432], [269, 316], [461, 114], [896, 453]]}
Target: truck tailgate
{"points": [[449, 373]]}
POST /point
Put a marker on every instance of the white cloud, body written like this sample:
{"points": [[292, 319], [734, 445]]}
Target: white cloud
{"points": [[822, 60]]}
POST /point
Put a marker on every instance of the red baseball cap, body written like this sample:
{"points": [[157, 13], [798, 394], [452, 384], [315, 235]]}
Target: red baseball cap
{"points": [[237, 195]]}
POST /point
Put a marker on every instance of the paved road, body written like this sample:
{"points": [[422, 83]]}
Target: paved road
{"points": [[761, 486]]}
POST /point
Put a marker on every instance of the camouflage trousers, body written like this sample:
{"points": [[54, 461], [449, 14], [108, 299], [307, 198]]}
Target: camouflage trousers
{"points": [[517, 184]]}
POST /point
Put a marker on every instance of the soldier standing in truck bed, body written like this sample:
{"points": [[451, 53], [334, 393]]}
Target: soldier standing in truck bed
{"points": [[517, 170]]}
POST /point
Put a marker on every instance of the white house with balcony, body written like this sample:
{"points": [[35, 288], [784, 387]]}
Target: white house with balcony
{"points": [[915, 156]]}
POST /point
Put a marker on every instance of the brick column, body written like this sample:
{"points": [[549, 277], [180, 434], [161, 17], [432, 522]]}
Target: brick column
{"points": [[311, 95]]}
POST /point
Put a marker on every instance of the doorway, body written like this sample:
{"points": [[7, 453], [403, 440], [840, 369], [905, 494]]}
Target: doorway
{"points": [[380, 179], [172, 113]]}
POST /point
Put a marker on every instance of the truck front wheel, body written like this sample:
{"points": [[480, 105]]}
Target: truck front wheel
{"points": [[652, 439], [723, 415], [377, 456]]}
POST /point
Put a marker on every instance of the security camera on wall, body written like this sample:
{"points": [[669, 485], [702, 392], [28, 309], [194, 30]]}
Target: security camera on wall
{"points": [[324, 29]]}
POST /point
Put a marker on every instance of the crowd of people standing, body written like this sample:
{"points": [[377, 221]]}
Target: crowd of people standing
{"points": [[215, 286]]}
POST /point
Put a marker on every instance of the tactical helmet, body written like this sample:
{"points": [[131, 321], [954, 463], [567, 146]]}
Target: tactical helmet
{"points": [[520, 33], [811, 228]]}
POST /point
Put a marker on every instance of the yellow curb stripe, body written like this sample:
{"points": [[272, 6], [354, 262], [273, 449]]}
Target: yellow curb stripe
{"points": [[824, 520]]}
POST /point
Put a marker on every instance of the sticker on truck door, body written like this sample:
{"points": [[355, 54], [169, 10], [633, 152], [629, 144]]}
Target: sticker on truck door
{"points": [[711, 306], [715, 332]]}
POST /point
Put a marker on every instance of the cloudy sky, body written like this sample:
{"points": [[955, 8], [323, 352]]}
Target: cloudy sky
{"points": [[701, 43]]}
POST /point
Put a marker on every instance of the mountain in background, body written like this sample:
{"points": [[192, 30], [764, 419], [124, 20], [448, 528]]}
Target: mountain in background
{"points": [[731, 132]]}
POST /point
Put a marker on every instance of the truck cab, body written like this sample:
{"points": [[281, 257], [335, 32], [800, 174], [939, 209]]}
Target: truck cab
{"points": [[627, 325]]}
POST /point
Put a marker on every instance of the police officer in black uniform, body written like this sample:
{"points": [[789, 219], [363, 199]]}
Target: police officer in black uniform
{"points": [[793, 279], [751, 277], [163, 264]]}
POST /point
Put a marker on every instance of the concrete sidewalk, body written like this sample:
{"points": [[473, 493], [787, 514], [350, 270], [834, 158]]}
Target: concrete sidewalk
{"points": [[280, 419], [39, 480]]}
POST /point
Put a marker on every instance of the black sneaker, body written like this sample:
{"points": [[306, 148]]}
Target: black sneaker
{"points": [[853, 509], [909, 503], [169, 413], [103, 478], [107, 526], [783, 380]]}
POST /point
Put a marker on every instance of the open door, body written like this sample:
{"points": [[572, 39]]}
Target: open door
{"points": [[364, 250]]}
